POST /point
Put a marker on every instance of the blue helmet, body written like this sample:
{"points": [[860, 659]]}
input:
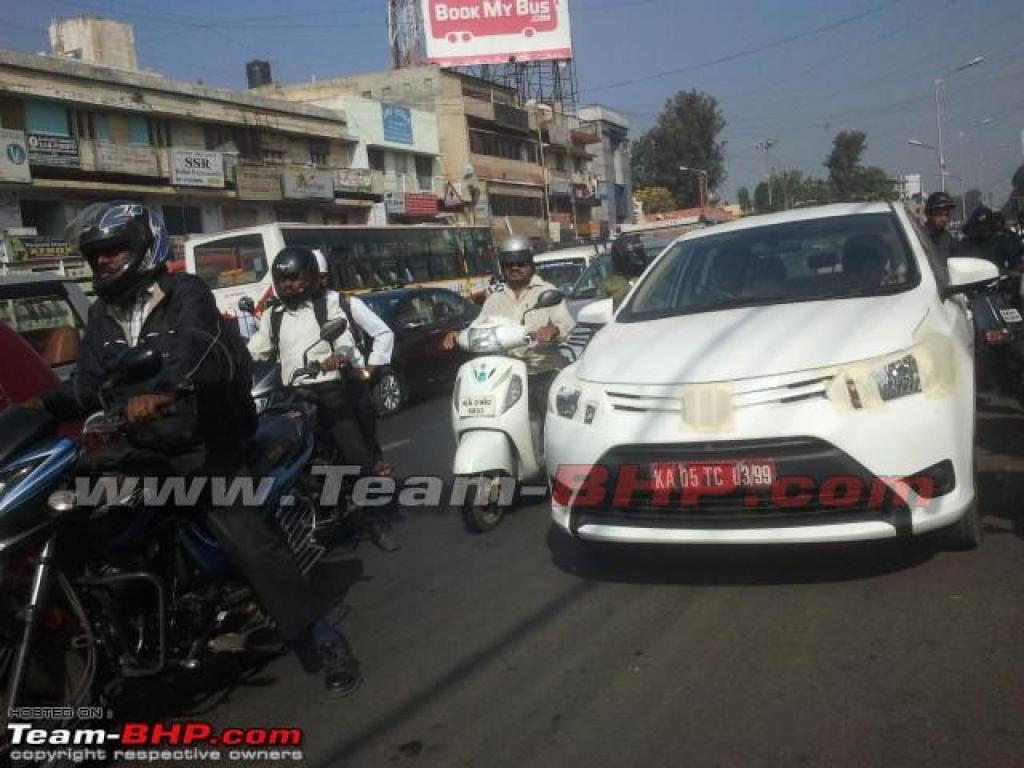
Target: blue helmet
{"points": [[123, 226]]}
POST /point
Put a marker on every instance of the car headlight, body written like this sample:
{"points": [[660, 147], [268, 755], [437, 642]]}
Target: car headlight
{"points": [[483, 340], [567, 401], [898, 379], [515, 391]]}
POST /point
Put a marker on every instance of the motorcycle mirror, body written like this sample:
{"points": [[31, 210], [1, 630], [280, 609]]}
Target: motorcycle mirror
{"points": [[333, 330], [138, 364], [247, 305], [549, 299]]}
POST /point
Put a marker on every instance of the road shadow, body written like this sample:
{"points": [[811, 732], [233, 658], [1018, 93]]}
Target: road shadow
{"points": [[693, 565]]}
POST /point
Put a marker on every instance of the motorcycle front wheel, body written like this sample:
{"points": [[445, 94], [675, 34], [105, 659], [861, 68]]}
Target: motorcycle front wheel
{"points": [[482, 508]]}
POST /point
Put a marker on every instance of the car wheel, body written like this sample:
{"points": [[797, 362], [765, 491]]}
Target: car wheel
{"points": [[389, 393]]}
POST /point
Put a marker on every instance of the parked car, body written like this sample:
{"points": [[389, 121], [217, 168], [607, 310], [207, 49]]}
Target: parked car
{"points": [[420, 318], [798, 377], [49, 313]]}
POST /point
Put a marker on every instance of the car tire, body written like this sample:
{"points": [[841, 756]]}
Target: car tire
{"points": [[389, 393], [966, 533]]}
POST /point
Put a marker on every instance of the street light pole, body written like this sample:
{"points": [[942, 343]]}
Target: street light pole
{"points": [[938, 117], [701, 187], [765, 146]]}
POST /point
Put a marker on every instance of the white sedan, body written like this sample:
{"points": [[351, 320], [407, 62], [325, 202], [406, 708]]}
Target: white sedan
{"points": [[798, 377]]}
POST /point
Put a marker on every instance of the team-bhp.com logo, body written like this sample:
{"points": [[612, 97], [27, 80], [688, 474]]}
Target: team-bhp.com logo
{"points": [[751, 484], [186, 742]]}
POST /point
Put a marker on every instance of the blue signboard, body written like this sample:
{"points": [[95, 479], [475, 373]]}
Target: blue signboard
{"points": [[397, 123]]}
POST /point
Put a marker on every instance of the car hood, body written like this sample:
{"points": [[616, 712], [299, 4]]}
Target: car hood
{"points": [[751, 342]]}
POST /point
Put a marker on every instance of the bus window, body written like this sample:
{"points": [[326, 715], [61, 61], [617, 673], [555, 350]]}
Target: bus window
{"points": [[306, 238], [232, 261], [414, 254], [340, 251], [387, 262], [445, 255], [480, 255]]}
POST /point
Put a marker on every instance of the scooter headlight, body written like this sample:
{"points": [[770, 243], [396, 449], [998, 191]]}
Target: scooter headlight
{"points": [[483, 340], [515, 392]]}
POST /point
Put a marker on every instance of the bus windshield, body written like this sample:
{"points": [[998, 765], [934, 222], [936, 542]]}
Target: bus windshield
{"points": [[232, 261]]}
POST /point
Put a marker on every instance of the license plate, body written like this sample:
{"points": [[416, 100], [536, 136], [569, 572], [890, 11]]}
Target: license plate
{"points": [[1010, 315], [719, 476], [478, 405]]}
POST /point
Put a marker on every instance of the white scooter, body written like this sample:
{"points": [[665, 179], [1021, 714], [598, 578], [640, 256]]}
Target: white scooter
{"points": [[499, 440]]}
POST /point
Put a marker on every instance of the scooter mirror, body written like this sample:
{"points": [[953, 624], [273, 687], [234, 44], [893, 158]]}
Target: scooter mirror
{"points": [[333, 330], [138, 364], [247, 305], [549, 299]]}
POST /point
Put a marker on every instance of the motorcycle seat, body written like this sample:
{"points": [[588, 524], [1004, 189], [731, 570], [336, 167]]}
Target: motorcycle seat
{"points": [[20, 428], [276, 438]]}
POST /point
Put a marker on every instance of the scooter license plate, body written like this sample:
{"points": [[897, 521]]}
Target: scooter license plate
{"points": [[1010, 315], [478, 405]]}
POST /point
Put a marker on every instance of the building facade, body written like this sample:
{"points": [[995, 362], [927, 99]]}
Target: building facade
{"points": [[611, 166], [210, 159]]}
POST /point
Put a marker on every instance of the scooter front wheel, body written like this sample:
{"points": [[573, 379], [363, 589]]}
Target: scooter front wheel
{"points": [[482, 509]]}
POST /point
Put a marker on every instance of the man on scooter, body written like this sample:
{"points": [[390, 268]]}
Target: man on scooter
{"points": [[140, 303], [518, 295]]}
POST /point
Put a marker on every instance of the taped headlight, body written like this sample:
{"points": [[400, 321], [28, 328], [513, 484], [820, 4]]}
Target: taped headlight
{"points": [[567, 401], [515, 391], [898, 379]]}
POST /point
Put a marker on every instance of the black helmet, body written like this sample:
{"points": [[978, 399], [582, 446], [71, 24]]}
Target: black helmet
{"points": [[129, 226], [939, 201], [629, 257], [981, 223], [293, 262], [515, 250]]}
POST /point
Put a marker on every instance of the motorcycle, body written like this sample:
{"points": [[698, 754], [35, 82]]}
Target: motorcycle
{"points": [[93, 595], [499, 437], [999, 330]]}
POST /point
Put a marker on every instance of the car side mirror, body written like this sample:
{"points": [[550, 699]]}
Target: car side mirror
{"points": [[333, 330], [247, 305], [599, 313], [968, 273]]}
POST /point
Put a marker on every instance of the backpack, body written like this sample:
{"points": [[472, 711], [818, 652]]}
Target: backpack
{"points": [[320, 311]]}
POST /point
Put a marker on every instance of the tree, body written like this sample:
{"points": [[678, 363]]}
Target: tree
{"points": [[655, 199], [843, 163], [686, 133], [743, 198]]}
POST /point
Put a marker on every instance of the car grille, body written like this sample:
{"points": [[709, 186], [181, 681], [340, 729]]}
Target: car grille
{"points": [[777, 390]]}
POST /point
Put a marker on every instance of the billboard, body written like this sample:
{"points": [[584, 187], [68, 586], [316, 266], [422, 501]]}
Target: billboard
{"points": [[467, 32]]}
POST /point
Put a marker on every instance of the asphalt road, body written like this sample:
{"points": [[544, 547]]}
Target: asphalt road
{"points": [[509, 649]]}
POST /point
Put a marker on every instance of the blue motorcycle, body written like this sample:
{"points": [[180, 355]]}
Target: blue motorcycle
{"points": [[92, 595]]}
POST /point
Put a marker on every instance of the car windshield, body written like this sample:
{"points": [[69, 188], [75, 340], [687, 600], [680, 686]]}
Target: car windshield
{"points": [[383, 305], [591, 283], [562, 273], [820, 259]]}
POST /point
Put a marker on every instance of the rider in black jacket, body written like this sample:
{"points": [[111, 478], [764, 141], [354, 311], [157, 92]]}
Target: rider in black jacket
{"points": [[126, 245]]}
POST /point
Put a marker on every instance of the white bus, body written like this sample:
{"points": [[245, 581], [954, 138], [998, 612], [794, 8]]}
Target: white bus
{"points": [[237, 263]]}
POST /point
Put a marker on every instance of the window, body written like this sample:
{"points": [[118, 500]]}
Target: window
{"points": [[46, 117], [834, 258], [401, 163], [375, 157], [232, 261], [425, 172], [183, 219], [273, 156], [138, 129], [449, 305], [319, 152], [47, 322], [81, 124], [480, 255], [508, 147], [414, 312], [511, 205], [367, 94], [415, 255]]}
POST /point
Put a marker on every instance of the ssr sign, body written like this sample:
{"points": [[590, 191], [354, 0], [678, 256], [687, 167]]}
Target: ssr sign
{"points": [[196, 168], [463, 32]]}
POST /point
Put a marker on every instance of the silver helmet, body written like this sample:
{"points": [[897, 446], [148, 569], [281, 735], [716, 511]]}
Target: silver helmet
{"points": [[514, 250]]}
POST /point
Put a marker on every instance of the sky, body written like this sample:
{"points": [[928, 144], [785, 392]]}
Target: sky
{"points": [[795, 71]]}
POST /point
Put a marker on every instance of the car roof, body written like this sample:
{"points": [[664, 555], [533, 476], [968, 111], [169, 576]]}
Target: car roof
{"points": [[577, 251], [788, 217], [31, 278]]}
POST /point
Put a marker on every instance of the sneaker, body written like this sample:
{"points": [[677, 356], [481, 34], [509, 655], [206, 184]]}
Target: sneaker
{"points": [[341, 670]]}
